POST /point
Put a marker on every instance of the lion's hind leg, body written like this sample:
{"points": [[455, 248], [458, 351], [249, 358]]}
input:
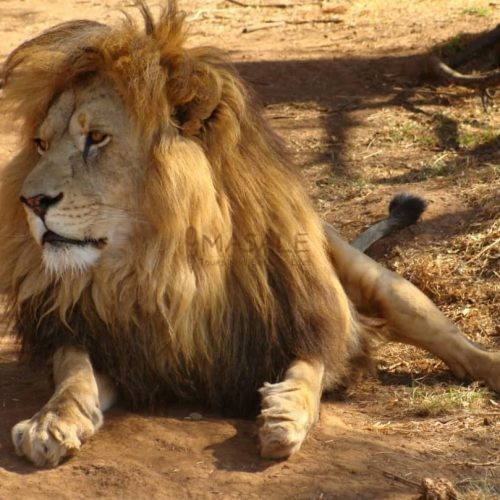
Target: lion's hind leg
{"points": [[289, 409], [71, 416], [410, 316]]}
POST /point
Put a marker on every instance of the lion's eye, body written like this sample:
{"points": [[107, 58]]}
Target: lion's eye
{"points": [[94, 138], [41, 145], [97, 138]]}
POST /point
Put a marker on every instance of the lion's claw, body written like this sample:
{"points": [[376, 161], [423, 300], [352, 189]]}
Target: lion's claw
{"points": [[288, 412], [48, 438]]}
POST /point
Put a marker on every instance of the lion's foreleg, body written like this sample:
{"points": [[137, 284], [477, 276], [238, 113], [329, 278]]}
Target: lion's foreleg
{"points": [[411, 317], [289, 409], [71, 416]]}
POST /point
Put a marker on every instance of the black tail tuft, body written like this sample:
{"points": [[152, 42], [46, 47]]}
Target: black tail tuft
{"points": [[406, 208]]}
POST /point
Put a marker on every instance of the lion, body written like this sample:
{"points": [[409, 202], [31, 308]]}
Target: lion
{"points": [[157, 244]]}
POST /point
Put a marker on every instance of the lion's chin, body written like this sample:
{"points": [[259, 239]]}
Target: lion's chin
{"points": [[66, 258]]}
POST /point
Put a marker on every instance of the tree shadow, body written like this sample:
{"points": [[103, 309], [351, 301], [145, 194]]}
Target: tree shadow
{"points": [[334, 88], [446, 131], [339, 88]]}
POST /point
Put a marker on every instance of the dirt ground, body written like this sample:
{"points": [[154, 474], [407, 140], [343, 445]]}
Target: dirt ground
{"points": [[341, 82]]}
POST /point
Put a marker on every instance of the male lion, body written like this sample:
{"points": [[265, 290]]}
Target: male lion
{"points": [[156, 244]]}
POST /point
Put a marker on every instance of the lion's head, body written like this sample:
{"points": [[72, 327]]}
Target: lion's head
{"points": [[155, 199], [82, 193], [98, 107]]}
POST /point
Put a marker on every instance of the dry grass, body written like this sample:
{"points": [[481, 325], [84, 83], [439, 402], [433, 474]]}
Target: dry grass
{"points": [[433, 402], [479, 489], [462, 273]]}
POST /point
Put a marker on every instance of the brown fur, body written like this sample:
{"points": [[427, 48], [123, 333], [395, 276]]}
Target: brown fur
{"points": [[163, 322]]}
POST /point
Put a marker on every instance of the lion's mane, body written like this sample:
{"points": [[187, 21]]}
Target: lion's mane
{"points": [[166, 319]]}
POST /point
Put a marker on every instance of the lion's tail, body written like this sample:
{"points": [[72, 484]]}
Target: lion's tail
{"points": [[404, 209]]}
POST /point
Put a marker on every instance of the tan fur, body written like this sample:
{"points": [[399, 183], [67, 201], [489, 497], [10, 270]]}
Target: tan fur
{"points": [[202, 270], [290, 408]]}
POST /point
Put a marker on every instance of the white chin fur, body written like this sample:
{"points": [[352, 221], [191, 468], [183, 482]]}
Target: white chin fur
{"points": [[62, 259], [69, 258]]}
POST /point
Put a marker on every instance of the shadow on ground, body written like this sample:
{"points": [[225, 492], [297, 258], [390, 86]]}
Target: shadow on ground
{"points": [[336, 87]]}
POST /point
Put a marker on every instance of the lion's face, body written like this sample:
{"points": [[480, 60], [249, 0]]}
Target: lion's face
{"points": [[81, 195]]}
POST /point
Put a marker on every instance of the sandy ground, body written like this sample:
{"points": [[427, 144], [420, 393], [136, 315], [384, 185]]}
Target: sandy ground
{"points": [[345, 95]]}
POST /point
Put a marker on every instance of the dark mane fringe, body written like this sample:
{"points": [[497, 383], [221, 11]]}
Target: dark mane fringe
{"points": [[180, 328]]}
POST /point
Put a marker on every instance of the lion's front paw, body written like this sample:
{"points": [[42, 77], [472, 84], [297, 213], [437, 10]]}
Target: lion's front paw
{"points": [[55, 433], [288, 412]]}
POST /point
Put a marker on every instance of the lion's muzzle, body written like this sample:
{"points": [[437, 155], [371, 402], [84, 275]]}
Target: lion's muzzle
{"points": [[40, 203]]}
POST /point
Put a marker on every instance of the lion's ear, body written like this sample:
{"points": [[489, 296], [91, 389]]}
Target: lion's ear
{"points": [[194, 93]]}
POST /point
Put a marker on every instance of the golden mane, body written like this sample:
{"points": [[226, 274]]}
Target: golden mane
{"points": [[227, 254]]}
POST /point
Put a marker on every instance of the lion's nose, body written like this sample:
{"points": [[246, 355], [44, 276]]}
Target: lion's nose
{"points": [[41, 203]]}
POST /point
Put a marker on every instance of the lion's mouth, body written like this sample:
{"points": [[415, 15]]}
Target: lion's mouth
{"points": [[51, 238]]}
